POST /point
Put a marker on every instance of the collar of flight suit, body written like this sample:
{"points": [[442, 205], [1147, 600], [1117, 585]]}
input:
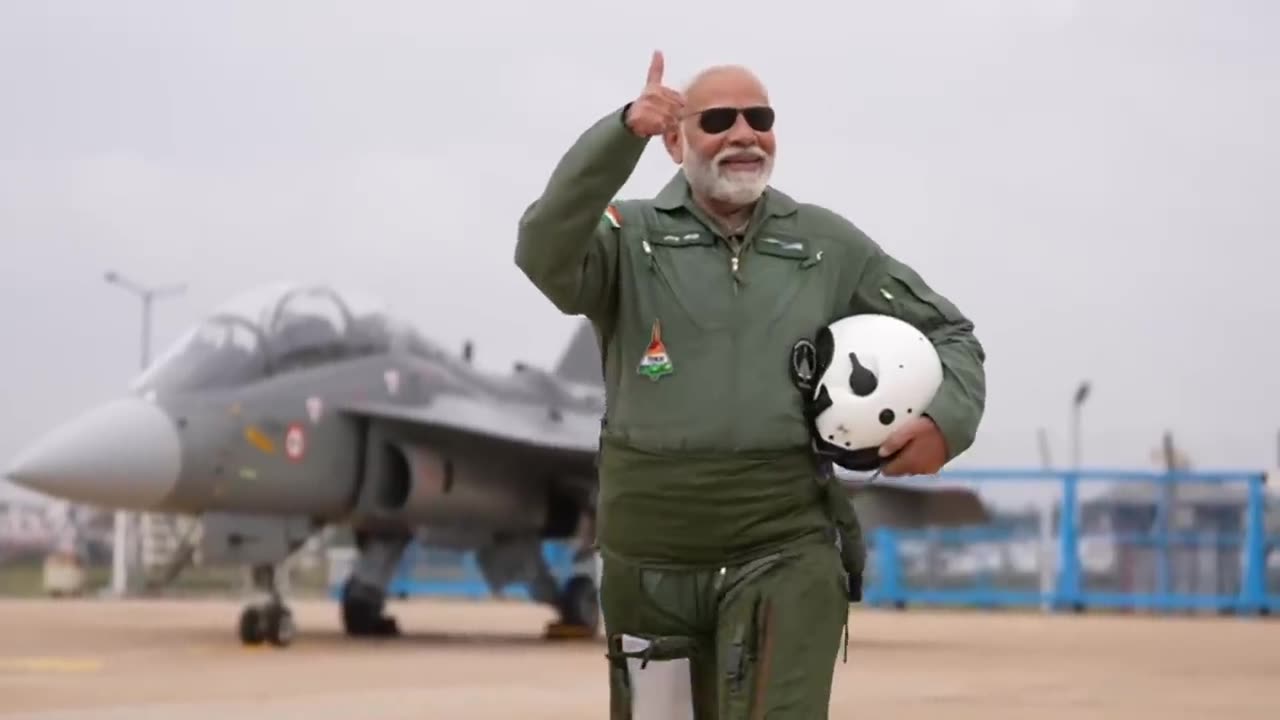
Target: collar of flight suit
{"points": [[676, 195]]}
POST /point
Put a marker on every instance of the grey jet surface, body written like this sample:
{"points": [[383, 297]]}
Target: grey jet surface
{"points": [[295, 407]]}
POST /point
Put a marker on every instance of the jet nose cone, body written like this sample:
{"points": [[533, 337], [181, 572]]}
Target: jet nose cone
{"points": [[124, 454]]}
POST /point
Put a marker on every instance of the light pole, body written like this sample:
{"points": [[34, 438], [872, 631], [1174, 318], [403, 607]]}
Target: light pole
{"points": [[148, 296], [1042, 441], [1082, 394]]}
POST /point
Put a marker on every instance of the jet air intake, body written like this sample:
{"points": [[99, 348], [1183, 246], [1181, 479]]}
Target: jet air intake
{"points": [[416, 484]]}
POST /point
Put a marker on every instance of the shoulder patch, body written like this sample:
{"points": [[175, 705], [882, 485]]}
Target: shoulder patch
{"points": [[613, 216]]}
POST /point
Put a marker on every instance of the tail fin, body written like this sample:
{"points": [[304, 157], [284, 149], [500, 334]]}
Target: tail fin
{"points": [[581, 361]]}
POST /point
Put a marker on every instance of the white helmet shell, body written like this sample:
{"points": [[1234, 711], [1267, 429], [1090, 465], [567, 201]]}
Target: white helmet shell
{"points": [[878, 372]]}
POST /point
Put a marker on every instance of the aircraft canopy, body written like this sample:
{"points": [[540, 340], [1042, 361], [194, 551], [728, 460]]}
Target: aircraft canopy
{"points": [[276, 328]]}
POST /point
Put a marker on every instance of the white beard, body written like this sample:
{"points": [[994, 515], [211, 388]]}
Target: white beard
{"points": [[729, 186]]}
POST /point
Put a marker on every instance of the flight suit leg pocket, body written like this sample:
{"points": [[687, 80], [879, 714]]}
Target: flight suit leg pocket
{"points": [[747, 659]]}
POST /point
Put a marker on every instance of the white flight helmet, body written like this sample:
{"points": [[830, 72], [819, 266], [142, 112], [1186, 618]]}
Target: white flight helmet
{"points": [[864, 376]]}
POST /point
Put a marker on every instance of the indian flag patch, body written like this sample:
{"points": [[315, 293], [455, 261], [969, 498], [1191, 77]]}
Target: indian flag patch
{"points": [[613, 216], [655, 363]]}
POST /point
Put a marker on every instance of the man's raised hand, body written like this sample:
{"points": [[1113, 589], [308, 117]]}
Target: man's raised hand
{"points": [[658, 107]]}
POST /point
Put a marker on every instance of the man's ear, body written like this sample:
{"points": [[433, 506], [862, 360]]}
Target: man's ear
{"points": [[671, 138]]}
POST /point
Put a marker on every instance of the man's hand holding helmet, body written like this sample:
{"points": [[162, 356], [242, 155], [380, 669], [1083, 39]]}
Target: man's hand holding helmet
{"points": [[919, 446]]}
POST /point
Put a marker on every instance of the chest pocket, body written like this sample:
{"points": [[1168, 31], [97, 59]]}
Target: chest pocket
{"points": [[686, 276], [782, 279]]}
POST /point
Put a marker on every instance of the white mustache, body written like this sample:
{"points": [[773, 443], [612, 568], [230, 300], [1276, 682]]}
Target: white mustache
{"points": [[735, 153]]}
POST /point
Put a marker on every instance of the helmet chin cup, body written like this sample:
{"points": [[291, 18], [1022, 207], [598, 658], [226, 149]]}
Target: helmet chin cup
{"points": [[863, 460], [860, 460]]}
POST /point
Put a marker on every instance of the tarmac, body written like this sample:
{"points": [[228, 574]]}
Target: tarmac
{"points": [[181, 660]]}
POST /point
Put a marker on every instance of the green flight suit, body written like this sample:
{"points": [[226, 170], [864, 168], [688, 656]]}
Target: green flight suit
{"points": [[715, 526]]}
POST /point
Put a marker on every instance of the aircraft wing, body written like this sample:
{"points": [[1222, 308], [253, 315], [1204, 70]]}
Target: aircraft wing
{"points": [[567, 438], [905, 505]]}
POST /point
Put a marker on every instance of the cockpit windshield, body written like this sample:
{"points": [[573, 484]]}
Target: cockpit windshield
{"points": [[222, 351], [270, 330]]}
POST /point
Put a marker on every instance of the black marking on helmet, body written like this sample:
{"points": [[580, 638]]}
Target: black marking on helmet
{"points": [[822, 402], [862, 381], [886, 417], [824, 345]]}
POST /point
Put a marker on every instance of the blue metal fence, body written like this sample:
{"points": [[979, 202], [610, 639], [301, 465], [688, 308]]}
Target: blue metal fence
{"points": [[1144, 541], [1133, 540], [433, 572]]}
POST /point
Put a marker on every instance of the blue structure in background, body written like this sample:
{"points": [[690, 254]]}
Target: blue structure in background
{"points": [[454, 573], [1217, 563], [1244, 548]]}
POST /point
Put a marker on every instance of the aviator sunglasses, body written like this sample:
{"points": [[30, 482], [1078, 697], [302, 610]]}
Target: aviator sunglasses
{"points": [[716, 120]]}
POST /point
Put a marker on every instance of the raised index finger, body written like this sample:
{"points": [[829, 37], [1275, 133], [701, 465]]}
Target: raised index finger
{"points": [[655, 69]]}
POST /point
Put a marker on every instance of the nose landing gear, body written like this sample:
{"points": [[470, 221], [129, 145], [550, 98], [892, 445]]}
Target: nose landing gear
{"points": [[268, 621]]}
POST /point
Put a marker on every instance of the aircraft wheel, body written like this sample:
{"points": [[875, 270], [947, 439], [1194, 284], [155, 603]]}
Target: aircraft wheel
{"points": [[580, 603], [362, 612], [252, 630], [280, 629]]}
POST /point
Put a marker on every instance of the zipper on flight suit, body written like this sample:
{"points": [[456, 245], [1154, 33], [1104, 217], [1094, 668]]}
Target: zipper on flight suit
{"points": [[746, 235], [735, 264], [735, 259]]}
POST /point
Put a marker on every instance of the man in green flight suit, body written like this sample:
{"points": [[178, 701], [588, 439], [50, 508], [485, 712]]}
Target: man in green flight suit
{"points": [[723, 587]]}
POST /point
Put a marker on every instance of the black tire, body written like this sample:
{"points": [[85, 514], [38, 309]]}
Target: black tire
{"points": [[580, 603], [280, 629], [362, 615], [252, 626]]}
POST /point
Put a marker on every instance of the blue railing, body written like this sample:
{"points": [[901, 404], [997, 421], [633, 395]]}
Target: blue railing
{"points": [[424, 572], [1150, 566], [1218, 564]]}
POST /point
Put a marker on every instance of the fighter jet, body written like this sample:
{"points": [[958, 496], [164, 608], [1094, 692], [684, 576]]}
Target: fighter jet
{"points": [[293, 408]]}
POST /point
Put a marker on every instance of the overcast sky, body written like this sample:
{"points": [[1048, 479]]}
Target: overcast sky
{"points": [[1037, 161]]}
